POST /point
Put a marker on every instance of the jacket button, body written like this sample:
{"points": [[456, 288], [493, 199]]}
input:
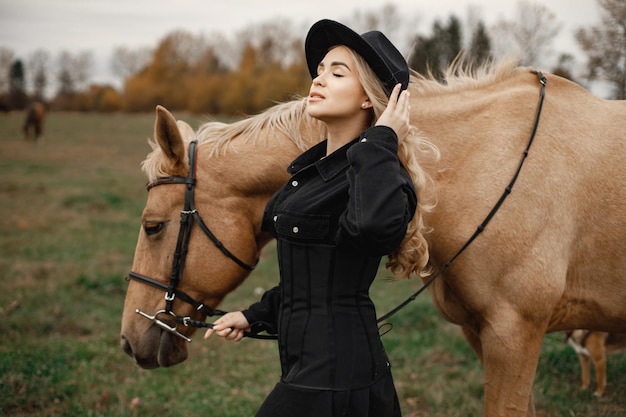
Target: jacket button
{"points": [[364, 140], [275, 218], [295, 229], [294, 183]]}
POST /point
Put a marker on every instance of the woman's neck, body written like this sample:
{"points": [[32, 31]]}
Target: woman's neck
{"points": [[339, 134]]}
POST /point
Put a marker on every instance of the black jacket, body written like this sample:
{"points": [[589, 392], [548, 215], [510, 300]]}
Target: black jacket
{"points": [[333, 221]]}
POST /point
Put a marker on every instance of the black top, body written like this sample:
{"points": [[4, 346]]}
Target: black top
{"points": [[333, 221]]}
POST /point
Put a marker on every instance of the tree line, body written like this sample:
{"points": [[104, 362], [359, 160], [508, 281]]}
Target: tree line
{"points": [[266, 64]]}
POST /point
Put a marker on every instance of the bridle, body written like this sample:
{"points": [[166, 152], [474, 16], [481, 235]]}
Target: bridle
{"points": [[188, 216]]}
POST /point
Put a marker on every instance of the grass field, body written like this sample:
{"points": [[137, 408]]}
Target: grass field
{"points": [[69, 217]]}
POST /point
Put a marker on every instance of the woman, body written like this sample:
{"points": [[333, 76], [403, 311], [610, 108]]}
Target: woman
{"points": [[349, 202]]}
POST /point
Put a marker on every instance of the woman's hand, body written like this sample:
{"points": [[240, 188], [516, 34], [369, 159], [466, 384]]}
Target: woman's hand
{"points": [[397, 114], [231, 326]]}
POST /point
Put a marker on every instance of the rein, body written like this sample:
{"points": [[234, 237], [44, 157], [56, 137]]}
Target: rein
{"points": [[543, 81]]}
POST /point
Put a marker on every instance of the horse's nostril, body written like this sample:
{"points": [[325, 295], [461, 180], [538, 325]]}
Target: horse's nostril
{"points": [[125, 345]]}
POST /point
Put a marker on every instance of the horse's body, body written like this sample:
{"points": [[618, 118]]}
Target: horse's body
{"points": [[552, 258], [35, 115]]}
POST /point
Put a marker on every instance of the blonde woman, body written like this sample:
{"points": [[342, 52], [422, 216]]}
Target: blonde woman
{"points": [[348, 203]]}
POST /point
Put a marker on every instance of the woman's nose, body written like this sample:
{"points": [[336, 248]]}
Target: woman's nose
{"points": [[318, 80]]}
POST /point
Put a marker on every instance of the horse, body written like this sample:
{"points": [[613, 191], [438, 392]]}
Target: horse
{"points": [[35, 115], [550, 259]]}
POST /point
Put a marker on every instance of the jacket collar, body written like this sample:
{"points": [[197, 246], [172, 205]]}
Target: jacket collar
{"points": [[328, 166]]}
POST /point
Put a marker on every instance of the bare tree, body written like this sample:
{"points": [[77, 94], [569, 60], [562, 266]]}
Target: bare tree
{"points": [[227, 50], [73, 72], [528, 35], [436, 52], [390, 20], [272, 41], [7, 57], [39, 65], [387, 19], [473, 18], [480, 46], [126, 62], [82, 68], [605, 46]]}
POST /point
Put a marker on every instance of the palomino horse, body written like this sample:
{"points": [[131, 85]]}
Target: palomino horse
{"points": [[35, 115], [552, 257]]}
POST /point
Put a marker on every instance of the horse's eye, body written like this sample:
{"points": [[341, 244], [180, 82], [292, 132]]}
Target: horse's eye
{"points": [[152, 228]]}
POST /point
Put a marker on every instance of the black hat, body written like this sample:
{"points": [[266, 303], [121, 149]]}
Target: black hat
{"points": [[381, 55]]}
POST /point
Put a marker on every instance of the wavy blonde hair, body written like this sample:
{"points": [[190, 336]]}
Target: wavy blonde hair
{"points": [[412, 255]]}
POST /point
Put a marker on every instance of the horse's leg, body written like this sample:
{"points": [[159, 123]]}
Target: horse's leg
{"points": [[37, 131], [597, 352], [585, 370], [476, 344], [510, 348], [600, 365]]}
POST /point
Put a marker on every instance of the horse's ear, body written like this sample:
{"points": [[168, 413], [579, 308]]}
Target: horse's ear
{"points": [[185, 130], [170, 139]]}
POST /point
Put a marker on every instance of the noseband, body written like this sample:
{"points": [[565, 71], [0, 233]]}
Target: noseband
{"points": [[188, 216]]}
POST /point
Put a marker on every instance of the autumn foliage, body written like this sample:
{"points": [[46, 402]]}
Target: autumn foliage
{"points": [[185, 74]]}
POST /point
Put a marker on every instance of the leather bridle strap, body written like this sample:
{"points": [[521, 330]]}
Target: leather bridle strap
{"points": [[219, 244], [184, 233], [179, 294]]}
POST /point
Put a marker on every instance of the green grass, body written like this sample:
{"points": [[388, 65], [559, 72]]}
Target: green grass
{"points": [[69, 217]]}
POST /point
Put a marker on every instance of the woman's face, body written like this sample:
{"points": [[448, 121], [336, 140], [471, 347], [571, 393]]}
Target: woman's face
{"points": [[336, 93]]}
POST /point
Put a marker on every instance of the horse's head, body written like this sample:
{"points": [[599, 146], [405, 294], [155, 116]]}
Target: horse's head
{"points": [[200, 229], [168, 230]]}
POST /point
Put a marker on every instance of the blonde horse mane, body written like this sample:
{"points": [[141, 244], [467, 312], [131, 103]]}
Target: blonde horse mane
{"points": [[288, 118], [460, 76]]}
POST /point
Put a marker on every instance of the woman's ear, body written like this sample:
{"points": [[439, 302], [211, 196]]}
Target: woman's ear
{"points": [[366, 104]]}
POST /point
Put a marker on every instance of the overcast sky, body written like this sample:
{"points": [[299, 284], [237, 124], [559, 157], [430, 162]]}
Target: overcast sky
{"points": [[100, 26]]}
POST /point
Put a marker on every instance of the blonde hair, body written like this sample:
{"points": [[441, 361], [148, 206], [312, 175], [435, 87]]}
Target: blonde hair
{"points": [[412, 255]]}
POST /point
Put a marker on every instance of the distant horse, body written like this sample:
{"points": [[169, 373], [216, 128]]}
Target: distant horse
{"points": [[552, 258], [35, 115]]}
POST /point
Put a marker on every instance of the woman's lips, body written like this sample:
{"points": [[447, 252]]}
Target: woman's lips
{"points": [[315, 97]]}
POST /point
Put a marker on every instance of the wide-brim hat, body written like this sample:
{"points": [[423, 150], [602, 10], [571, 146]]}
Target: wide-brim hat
{"points": [[378, 51]]}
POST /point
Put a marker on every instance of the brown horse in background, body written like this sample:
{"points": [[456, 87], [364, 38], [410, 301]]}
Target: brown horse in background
{"points": [[552, 258], [35, 116]]}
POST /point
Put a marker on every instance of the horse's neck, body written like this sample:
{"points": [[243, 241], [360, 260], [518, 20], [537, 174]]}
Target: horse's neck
{"points": [[481, 134], [478, 123], [244, 175], [263, 162]]}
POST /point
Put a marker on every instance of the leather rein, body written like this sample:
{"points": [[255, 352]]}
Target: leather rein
{"points": [[189, 216]]}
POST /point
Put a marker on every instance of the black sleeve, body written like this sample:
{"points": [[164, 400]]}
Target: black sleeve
{"points": [[263, 315], [382, 198]]}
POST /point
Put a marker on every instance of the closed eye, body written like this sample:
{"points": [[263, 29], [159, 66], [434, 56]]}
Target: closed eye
{"points": [[153, 228]]}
